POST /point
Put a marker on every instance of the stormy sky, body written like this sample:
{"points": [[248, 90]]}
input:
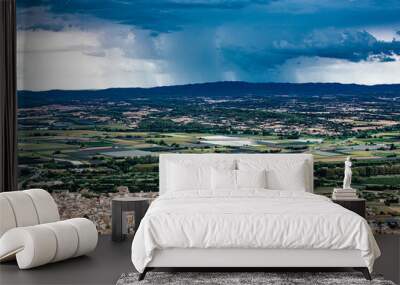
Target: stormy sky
{"points": [[93, 44]]}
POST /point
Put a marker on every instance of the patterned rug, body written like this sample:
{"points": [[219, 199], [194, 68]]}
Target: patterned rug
{"points": [[243, 278]]}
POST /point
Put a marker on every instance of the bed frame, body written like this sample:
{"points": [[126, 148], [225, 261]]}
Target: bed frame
{"points": [[242, 259], [245, 259]]}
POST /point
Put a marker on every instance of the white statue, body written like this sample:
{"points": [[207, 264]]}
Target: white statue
{"points": [[347, 174]]}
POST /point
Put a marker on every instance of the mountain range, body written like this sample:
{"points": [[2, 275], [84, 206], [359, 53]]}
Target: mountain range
{"points": [[212, 89]]}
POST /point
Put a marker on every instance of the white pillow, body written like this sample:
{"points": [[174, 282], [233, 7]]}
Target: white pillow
{"points": [[187, 177], [251, 178], [295, 180], [284, 174], [223, 179], [230, 180]]}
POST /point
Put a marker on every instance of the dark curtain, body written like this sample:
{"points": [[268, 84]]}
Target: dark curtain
{"points": [[8, 100]]}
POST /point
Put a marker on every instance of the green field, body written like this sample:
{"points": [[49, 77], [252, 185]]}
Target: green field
{"points": [[384, 179], [100, 161]]}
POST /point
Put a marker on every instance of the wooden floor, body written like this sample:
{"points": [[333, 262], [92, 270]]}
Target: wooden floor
{"points": [[111, 259]]}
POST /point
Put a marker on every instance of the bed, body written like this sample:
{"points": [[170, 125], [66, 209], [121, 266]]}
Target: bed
{"points": [[247, 210]]}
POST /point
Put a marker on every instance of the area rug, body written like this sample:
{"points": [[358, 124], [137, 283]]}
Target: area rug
{"points": [[243, 278]]}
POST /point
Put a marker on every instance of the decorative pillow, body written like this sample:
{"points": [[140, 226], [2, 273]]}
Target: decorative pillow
{"points": [[182, 177], [186, 176], [223, 179], [281, 174], [294, 180], [251, 178]]}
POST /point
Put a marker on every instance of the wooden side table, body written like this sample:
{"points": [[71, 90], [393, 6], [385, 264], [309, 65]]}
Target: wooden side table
{"points": [[355, 205], [119, 205]]}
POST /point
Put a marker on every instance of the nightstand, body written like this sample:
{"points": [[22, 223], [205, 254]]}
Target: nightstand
{"points": [[122, 205], [355, 205]]}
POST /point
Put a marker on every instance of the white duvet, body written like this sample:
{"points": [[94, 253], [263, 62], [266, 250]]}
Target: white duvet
{"points": [[250, 219]]}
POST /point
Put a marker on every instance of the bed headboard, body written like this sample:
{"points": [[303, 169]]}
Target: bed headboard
{"points": [[209, 159]]}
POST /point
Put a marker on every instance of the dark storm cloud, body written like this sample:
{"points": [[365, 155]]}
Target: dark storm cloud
{"points": [[167, 15], [248, 38], [156, 15], [348, 45]]}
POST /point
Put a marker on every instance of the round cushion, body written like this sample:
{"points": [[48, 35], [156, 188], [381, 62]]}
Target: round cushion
{"points": [[67, 240], [87, 234], [23, 208], [33, 246], [7, 218], [40, 244], [46, 207]]}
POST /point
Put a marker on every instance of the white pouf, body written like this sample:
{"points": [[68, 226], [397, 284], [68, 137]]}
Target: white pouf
{"points": [[31, 232]]}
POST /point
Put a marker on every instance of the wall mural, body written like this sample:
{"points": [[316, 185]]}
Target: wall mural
{"points": [[106, 86]]}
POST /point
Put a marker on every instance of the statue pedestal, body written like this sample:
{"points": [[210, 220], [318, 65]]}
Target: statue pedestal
{"points": [[344, 190], [344, 194]]}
